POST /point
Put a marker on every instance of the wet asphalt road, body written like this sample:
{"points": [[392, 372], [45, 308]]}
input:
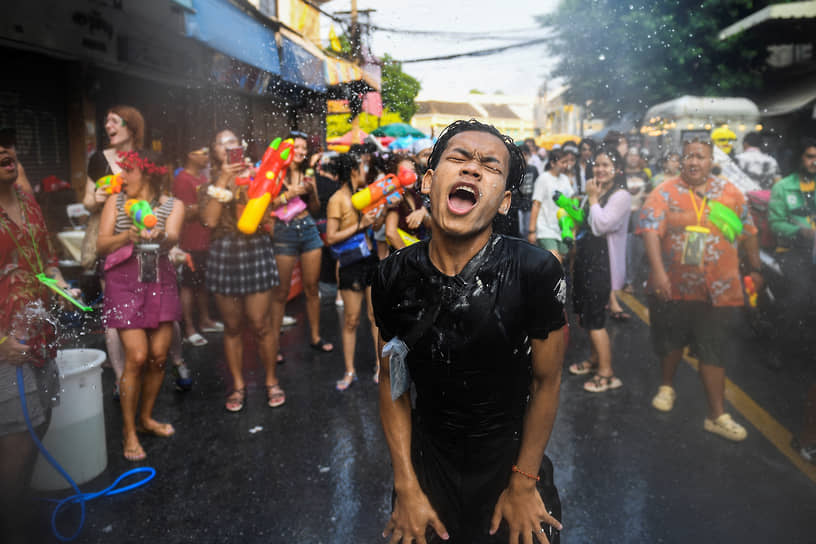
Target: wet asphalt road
{"points": [[319, 472]]}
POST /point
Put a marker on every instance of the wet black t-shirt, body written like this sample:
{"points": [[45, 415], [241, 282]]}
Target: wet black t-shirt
{"points": [[469, 334]]}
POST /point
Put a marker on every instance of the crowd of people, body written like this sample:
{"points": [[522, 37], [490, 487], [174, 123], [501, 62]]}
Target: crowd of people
{"points": [[593, 209]]}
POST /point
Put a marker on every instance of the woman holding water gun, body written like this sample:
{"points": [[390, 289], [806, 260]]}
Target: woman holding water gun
{"points": [[598, 246], [409, 217], [138, 228], [241, 268], [544, 228], [296, 235], [344, 223], [124, 127]]}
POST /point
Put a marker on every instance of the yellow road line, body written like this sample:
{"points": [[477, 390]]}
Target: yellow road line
{"points": [[770, 428]]}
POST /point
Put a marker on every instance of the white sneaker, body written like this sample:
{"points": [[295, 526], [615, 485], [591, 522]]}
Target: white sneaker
{"points": [[664, 400], [288, 321], [726, 427]]}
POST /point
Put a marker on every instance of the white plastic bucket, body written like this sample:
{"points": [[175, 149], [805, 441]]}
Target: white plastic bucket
{"points": [[76, 435]]}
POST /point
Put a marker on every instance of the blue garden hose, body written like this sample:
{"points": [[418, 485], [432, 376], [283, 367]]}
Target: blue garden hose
{"points": [[79, 497]]}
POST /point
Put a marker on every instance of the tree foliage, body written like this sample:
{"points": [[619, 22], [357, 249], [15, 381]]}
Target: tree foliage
{"points": [[628, 56], [399, 90]]}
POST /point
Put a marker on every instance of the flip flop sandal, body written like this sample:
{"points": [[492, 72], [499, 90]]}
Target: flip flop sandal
{"points": [[217, 327], [280, 359], [348, 379], [235, 400], [164, 430], [134, 455], [584, 367], [599, 384], [196, 340], [322, 346], [275, 395]]}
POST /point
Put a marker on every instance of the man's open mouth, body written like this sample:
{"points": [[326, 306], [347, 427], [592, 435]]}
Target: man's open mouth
{"points": [[463, 198], [7, 163]]}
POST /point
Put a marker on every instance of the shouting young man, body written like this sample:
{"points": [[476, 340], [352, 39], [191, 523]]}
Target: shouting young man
{"points": [[476, 322]]}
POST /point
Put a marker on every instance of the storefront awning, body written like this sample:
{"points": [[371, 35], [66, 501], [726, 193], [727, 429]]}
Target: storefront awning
{"points": [[301, 62], [792, 19], [226, 28], [793, 98]]}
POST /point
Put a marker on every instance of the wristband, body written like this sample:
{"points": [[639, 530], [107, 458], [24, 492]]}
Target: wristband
{"points": [[535, 477]]}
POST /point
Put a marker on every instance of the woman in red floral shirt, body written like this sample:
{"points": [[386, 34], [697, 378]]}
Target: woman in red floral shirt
{"points": [[26, 341]]}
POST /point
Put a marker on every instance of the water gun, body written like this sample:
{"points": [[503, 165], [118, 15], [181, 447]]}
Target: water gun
{"points": [[567, 226], [51, 283], [112, 183], [725, 219], [571, 206], [384, 192], [141, 213], [750, 290], [266, 184]]}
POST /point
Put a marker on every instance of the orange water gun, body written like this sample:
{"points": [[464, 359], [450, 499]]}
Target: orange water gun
{"points": [[266, 184], [111, 183], [750, 290], [384, 192]]}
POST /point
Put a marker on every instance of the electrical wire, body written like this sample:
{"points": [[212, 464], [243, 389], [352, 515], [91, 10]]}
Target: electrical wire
{"points": [[478, 53]]}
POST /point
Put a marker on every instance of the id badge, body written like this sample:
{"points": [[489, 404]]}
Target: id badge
{"points": [[148, 257], [694, 245]]}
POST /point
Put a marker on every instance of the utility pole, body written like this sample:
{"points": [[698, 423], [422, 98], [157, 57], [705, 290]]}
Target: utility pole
{"points": [[355, 54]]}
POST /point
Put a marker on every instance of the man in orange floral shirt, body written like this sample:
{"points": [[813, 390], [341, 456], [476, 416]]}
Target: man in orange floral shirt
{"points": [[695, 289]]}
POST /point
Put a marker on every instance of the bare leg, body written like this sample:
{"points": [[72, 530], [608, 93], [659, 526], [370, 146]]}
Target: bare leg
{"points": [[116, 353], [310, 271], [599, 340], [136, 355], [159, 343], [669, 366], [713, 378], [614, 305], [176, 355], [231, 310], [280, 293], [257, 310], [203, 300], [187, 305], [375, 333], [352, 304]]}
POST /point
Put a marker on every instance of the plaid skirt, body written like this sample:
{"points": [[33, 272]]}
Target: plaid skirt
{"points": [[241, 265]]}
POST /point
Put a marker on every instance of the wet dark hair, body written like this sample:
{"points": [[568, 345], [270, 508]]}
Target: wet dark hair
{"points": [[613, 137], [518, 165], [804, 144], [342, 165], [610, 150], [554, 156], [393, 162], [752, 139], [593, 145]]}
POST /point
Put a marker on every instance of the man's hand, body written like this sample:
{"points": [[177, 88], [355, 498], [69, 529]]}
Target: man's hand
{"points": [[368, 219], [661, 284], [13, 352], [531, 237], [524, 512], [411, 517]]}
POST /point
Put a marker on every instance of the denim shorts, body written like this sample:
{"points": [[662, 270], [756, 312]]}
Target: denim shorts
{"points": [[296, 237]]}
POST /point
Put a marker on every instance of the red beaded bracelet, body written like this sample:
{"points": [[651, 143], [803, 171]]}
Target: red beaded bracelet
{"points": [[527, 474]]}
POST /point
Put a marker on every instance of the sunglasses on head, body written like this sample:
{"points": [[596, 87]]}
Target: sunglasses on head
{"points": [[296, 134]]}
